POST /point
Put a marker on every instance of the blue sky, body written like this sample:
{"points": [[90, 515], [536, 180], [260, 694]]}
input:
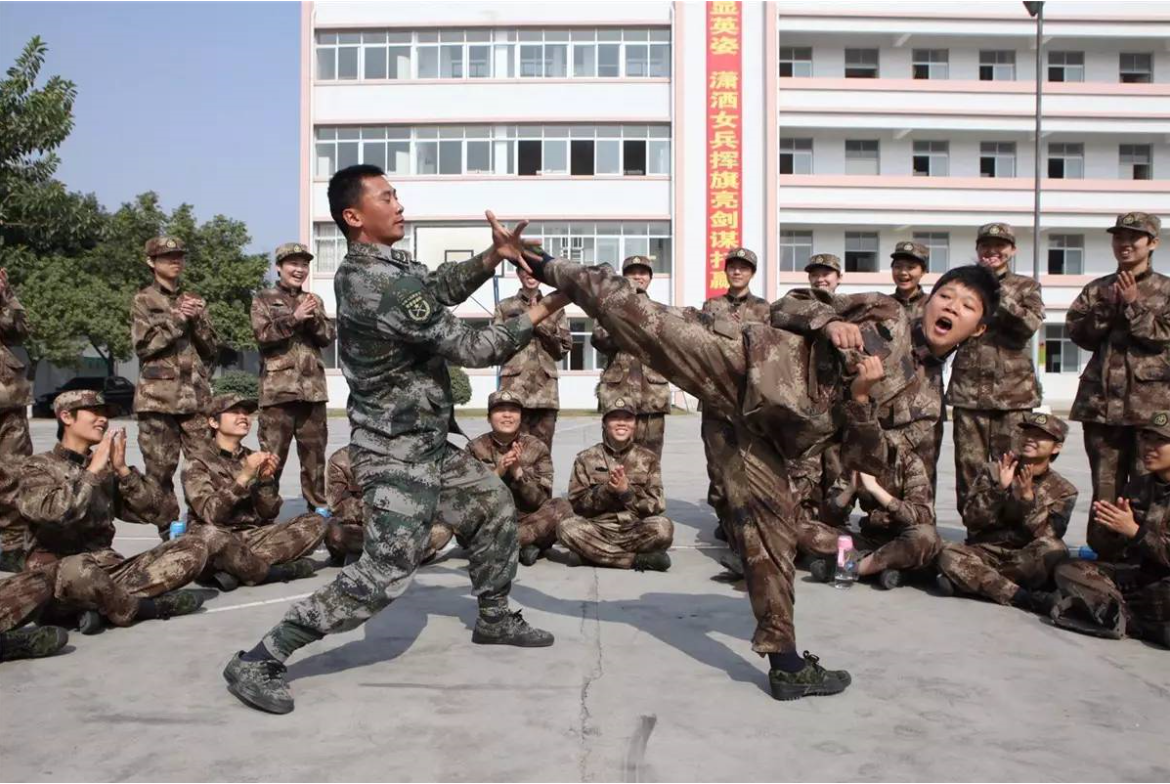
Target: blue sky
{"points": [[197, 101]]}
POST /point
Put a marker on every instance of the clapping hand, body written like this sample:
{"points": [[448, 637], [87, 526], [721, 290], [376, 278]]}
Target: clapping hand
{"points": [[618, 481], [1116, 517]]}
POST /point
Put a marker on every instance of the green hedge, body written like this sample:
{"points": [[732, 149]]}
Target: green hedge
{"points": [[460, 386], [236, 382]]}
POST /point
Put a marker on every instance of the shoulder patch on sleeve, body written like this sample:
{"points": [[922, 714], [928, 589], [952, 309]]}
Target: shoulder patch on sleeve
{"points": [[413, 299]]}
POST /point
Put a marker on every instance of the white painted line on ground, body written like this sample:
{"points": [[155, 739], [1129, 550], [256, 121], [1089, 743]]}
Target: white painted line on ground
{"points": [[278, 600]]}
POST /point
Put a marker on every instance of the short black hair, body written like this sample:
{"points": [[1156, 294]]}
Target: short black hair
{"points": [[976, 277], [345, 188]]}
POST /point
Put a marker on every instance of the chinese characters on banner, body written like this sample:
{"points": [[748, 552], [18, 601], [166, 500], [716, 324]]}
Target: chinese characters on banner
{"points": [[724, 139]]}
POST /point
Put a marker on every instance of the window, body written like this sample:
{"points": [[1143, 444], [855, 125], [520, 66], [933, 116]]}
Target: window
{"points": [[796, 61], [997, 159], [647, 53], [931, 64], [938, 245], [1135, 162], [1061, 355], [861, 249], [861, 63], [796, 156], [606, 242], [1066, 66], [1066, 254], [1136, 68], [582, 356], [997, 66], [931, 159], [861, 156], [337, 55], [1066, 161], [328, 248], [329, 353], [795, 250]]}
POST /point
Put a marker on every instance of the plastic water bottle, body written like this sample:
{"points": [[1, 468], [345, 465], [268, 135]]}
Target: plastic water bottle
{"points": [[178, 528], [324, 512], [1084, 553], [846, 573]]}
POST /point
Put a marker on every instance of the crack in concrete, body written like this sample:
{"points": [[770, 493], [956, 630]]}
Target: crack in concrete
{"points": [[589, 617]]}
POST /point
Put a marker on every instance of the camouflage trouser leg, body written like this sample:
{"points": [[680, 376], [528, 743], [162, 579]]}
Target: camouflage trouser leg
{"points": [[814, 539], [831, 469], [1110, 597], [105, 582], [162, 438], [540, 527], [911, 547], [23, 594], [981, 436], [651, 432], [401, 502], [612, 541], [932, 463], [1113, 462], [540, 423], [719, 446], [247, 555], [343, 537], [14, 437], [998, 572], [309, 424]]}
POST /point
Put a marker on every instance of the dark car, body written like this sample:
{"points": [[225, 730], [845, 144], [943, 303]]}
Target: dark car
{"points": [[115, 389]]}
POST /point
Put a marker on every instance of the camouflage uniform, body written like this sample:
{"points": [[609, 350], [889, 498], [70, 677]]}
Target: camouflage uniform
{"points": [[292, 378], [915, 303], [70, 514], [174, 354], [1127, 379], [15, 391], [532, 373], [610, 529], [237, 523], [993, 382], [22, 595], [717, 433], [1134, 588], [12, 528], [396, 338], [1012, 543]]}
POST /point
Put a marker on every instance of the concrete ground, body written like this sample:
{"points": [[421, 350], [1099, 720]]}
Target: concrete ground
{"points": [[651, 678]]}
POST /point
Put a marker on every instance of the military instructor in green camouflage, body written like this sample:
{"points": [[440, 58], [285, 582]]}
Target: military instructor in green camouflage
{"points": [[395, 339]]}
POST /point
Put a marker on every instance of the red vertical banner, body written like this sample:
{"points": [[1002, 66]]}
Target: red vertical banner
{"points": [[724, 138]]}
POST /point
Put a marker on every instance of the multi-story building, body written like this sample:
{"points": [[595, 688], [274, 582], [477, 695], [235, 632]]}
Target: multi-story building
{"points": [[860, 124]]}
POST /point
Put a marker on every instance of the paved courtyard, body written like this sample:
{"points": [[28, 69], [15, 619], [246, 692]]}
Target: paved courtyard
{"points": [[651, 678]]}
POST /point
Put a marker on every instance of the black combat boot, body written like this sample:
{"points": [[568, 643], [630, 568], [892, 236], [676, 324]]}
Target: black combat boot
{"points": [[225, 582], [822, 570], [943, 585], [90, 622], [1157, 632], [657, 561], [259, 684], [293, 570], [733, 564], [890, 579], [169, 605], [32, 642], [510, 629], [529, 554], [811, 681]]}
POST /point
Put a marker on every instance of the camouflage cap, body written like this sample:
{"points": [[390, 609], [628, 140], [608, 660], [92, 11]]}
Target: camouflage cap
{"points": [[1052, 425], [82, 398], [220, 403], [1144, 222], [501, 397], [637, 261], [744, 255], [291, 250], [823, 260], [996, 231], [1159, 423], [619, 404], [915, 251], [160, 246]]}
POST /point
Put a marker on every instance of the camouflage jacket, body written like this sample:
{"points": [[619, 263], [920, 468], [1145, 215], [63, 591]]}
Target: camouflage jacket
{"points": [[395, 338], [173, 353], [532, 372], [1149, 497], [907, 481], [534, 486], [12, 528], [589, 492], [69, 510], [915, 304], [290, 351], [748, 309], [626, 377], [1128, 377], [15, 391], [343, 491], [1000, 517], [994, 371], [215, 497]]}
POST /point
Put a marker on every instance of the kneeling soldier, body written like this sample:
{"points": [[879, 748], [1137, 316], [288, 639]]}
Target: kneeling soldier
{"points": [[69, 499], [234, 502], [1016, 513], [616, 491], [1132, 594]]}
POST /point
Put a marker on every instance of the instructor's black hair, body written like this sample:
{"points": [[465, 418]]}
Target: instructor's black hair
{"points": [[345, 188]]}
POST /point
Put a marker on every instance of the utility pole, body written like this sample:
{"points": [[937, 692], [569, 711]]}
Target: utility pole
{"points": [[1036, 9]]}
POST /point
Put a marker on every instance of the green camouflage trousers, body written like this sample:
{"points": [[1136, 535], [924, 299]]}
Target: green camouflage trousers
{"points": [[402, 501]]}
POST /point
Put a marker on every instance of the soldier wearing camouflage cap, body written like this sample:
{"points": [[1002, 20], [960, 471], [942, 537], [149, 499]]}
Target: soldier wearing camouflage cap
{"points": [[1128, 594], [1121, 319], [626, 377], [824, 272], [291, 330], [908, 264], [234, 500], [176, 344], [15, 390], [617, 499], [993, 380], [1016, 515]]}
